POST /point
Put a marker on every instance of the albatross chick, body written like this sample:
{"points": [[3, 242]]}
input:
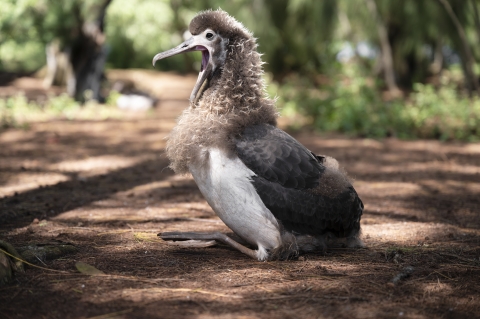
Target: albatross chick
{"points": [[269, 189]]}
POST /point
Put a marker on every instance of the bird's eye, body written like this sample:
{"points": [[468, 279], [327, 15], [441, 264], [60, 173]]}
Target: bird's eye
{"points": [[209, 36]]}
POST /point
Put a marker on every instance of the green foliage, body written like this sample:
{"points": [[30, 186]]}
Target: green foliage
{"points": [[138, 29], [43, 20], [28, 56], [112, 98], [348, 104], [18, 111], [26, 26], [299, 39], [443, 113], [352, 104]]}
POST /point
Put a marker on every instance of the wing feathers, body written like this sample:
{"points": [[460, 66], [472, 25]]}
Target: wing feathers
{"points": [[308, 213], [278, 157], [290, 180]]}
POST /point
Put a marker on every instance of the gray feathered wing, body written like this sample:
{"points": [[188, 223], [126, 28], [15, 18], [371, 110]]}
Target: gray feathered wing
{"points": [[289, 182]]}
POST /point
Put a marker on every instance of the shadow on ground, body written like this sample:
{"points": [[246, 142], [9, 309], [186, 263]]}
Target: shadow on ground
{"points": [[104, 187]]}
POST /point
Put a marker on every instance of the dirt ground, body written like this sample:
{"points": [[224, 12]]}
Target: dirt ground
{"points": [[104, 187]]}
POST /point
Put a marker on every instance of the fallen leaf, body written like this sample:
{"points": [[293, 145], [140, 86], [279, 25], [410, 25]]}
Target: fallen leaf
{"points": [[87, 269]]}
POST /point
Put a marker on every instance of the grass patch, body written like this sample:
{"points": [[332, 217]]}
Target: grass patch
{"points": [[17, 111], [352, 104]]}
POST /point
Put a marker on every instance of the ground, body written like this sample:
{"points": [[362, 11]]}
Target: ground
{"points": [[104, 187]]}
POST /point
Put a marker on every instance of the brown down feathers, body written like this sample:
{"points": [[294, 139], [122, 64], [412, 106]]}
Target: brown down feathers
{"points": [[234, 99]]}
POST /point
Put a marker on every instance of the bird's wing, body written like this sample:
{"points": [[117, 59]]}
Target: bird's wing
{"points": [[288, 178], [276, 156]]}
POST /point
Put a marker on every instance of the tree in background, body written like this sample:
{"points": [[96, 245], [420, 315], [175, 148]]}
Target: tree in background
{"points": [[419, 32], [413, 40], [411, 37], [73, 34]]}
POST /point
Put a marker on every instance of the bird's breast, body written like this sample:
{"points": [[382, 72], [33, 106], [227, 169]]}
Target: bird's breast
{"points": [[226, 184]]}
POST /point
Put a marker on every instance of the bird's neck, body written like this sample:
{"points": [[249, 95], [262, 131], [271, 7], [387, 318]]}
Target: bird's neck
{"points": [[235, 99], [238, 87]]}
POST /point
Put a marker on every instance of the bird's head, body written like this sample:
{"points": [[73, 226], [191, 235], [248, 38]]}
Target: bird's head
{"points": [[213, 32]]}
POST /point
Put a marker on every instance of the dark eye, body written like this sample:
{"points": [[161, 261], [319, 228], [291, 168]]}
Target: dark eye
{"points": [[209, 36]]}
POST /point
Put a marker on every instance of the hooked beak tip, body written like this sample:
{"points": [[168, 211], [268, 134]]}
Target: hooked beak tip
{"points": [[154, 61]]}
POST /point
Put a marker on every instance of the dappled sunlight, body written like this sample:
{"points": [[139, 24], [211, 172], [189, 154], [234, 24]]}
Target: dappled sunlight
{"points": [[451, 187], [438, 288], [105, 188], [427, 146], [437, 147], [225, 282], [16, 137], [22, 182], [159, 294], [388, 188], [126, 213], [472, 148], [94, 164], [410, 181], [103, 215], [143, 203], [332, 142], [419, 167], [404, 233], [168, 183], [19, 175]]}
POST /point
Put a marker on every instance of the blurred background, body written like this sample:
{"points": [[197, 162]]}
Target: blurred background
{"points": [[368, 68]]}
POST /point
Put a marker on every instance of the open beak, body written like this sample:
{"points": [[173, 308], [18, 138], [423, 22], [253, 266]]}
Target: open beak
{"points": [[192, 44]]}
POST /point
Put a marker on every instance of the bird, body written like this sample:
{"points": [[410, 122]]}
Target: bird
{"points": [[277, 197], [131, 98]]}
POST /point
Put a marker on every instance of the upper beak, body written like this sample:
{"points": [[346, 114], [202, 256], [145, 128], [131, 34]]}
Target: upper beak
{"points": [[192, 44], [186, 46]]}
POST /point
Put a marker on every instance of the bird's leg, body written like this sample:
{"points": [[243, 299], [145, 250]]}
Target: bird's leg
{"points": [[355, 242], [220, 237]]}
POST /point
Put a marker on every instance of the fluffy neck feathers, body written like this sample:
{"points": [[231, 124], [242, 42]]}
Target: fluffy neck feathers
{"points": [[235, 99], [238, 86]]}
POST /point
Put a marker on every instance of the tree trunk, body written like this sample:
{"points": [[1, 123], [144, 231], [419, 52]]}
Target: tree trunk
{"points": [[79, 63], [88, 55], [468, 60], [386, 49], [476, 18]]}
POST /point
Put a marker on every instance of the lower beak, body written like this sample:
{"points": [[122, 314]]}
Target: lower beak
{"points": [[206, 68]]}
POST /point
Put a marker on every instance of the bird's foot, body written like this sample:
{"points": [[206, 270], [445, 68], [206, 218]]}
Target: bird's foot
{"points": [[187, 237], [355, 242]]}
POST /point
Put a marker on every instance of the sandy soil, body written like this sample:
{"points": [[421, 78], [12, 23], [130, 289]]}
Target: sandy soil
{"points": [[104, 187]]}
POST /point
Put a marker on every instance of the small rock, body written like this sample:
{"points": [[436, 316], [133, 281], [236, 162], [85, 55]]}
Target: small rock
{"points": [[8, 265], [5, 269]]}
